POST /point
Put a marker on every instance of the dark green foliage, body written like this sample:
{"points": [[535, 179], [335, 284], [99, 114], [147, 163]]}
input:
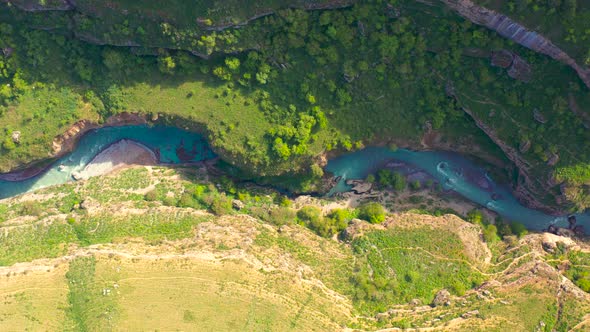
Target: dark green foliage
{"points": [[518, 229], [396, 180]]}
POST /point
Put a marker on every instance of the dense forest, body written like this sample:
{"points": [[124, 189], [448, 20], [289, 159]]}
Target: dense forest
{"points": [[275, 87]]}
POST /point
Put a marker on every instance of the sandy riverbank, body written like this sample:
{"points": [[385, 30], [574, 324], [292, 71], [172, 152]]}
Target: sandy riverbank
{"points": [[119, 155]]}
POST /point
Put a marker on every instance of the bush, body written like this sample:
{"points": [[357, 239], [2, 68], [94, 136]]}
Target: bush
{"points": [[151, 195], [309, 214], [281, 216], [187, 200], [490, 233], [518, 229], [475, 216], [31, 208], [372, 212], [221, 205], [169, 201]]}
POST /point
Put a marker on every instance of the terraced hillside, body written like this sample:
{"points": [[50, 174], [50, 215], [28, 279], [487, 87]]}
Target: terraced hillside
{"points": [[123, 251]]}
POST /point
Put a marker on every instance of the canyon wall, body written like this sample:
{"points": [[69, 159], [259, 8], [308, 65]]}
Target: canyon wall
{"points": [[516, 32]]}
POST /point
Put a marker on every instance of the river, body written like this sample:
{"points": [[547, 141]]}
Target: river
{"points": [[165, 141], [174, 145]]}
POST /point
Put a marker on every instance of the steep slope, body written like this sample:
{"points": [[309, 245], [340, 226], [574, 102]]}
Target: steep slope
{"points": [[119, 261]]}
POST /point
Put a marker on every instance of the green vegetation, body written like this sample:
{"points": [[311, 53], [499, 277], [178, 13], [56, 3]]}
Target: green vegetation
{"points": [[372, 212], [577, 265], [564, 21], [363, 273], [401, 265], [298, 83], [87, 309]]}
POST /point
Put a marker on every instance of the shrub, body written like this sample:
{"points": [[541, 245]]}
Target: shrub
{"points": [[281, 216], [221, 205], [31, 208], [151, 195], [372, 212], [309, 214], [187, 200], [169, 201], [518, 229], [475, 216], [490, 233]]}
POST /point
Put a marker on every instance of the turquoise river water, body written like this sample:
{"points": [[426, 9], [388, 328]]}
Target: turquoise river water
{"points": [[174, 145], [170, 144]]}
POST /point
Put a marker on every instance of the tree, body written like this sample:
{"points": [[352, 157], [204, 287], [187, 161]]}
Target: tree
{"points": [[233, 64], [372, 212], [222, 73], [518, 229], [112, 59], [475, 216], [490, 233], [399, 181], [166, 64], [281, 148]]}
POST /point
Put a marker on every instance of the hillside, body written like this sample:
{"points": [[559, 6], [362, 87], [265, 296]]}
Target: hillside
{"points": [[277, 86], [122, 251]]}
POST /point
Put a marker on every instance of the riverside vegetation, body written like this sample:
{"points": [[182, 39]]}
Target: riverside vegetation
{"points": [[276, 87], [101, 253], [275, 94]]}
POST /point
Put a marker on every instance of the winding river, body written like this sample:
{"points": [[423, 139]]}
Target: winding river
{"points": [[454, 173], [174, 145]]}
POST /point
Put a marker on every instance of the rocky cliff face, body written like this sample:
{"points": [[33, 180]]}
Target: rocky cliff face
{"points": [[527, 189], [37, 6], [516, 32]]}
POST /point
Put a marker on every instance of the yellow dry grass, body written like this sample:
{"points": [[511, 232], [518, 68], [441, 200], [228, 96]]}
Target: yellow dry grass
{"points": [[33, 301]]}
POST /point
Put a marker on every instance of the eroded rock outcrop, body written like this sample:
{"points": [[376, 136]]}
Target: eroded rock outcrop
{"points": [[517, 67], [38, 6], [525, 190], [516, 32]]}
